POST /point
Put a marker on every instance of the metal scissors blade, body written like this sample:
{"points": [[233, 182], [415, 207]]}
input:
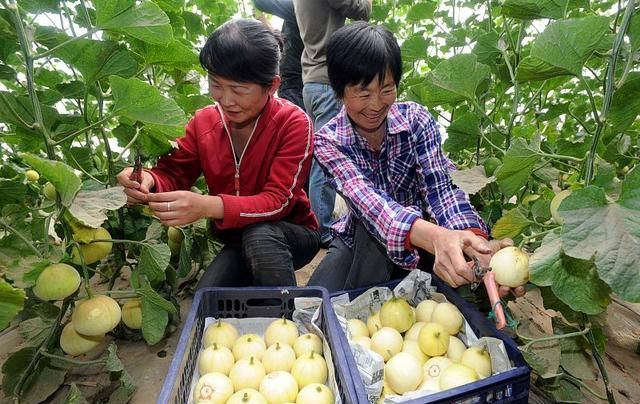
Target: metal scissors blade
{"points": [[136, 175]]}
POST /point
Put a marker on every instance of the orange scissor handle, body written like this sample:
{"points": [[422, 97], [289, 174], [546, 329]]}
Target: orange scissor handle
{"points": [[494, 297]]}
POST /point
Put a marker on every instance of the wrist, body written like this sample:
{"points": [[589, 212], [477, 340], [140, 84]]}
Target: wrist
{"points": [[423, 233]]}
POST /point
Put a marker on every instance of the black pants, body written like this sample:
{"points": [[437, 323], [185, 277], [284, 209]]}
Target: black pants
{"points": [[268, 255], [367, 264]]}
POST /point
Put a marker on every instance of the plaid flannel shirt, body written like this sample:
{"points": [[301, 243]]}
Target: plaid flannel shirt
{"points": [[390, 189]]}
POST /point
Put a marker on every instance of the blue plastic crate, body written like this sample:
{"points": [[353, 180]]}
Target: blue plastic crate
{"points": [[511, 386], [250, 302]]}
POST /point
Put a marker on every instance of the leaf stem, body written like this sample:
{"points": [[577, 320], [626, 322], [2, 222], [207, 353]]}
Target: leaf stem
{"points": [[551, 338], [592, 340], [14, 112], [86, 128], [582, 385], [71, 361]]}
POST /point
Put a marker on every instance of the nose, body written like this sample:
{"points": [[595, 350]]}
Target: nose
{"points": [[376, 104]]}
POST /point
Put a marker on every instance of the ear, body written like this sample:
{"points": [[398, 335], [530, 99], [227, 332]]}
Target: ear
{"points": [[275, 84]]}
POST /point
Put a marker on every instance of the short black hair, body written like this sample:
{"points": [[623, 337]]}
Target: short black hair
{"points": [[243, 50], [357, 52]]}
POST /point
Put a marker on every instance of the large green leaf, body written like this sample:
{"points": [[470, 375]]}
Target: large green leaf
{"points": [[154, 260], [510, 225], [11, 191], [517, 166], [174, 54], [89, 206], [40, 6], [423, 10], [575, 282], [414, 48], [532, 9], [155, 312], [486, 48], [58, 173], [608, 233], [634, 31], [156, 108], [463, 133], [11, 302], [145, 21], [625, 105], [455, 79], [564, 47], [98, 59], [43, 380]]}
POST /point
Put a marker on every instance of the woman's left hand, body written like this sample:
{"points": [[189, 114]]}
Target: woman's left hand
{"points": [[178, 208], [484, 259]]}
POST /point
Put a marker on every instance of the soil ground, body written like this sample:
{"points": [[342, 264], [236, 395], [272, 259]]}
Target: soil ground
{"points": [[148, 365]]}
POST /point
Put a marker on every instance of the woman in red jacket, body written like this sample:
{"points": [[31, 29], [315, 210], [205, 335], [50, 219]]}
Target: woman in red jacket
{"points": [[254, 151]]}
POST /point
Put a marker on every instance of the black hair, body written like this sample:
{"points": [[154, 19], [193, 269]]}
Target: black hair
{"points": [[243, 50], [357, 52]]}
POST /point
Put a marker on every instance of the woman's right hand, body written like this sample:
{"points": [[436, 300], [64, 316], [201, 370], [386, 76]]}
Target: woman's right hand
{"points": [[136, 191]]}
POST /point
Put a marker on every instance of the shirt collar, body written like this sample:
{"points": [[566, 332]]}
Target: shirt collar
{"points": [[396, 123]]}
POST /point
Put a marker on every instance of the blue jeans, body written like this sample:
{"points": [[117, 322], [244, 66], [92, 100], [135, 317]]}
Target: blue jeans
{"points": [[321, 104], [268, 255]]}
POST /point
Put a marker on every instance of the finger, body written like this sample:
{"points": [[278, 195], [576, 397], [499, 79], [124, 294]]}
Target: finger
{"points": [[506, 242], [477, 243], [445, 266], [163, 207], [445, 277], [519, 291], [461, 267], [135, 196], [162, 197], [503, 291]]}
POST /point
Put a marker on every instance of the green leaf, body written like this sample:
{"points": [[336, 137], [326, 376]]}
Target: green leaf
{"points": [[58, 173], [517, 166], [574, 282], [414, 48], [113, 362], [11, 191], [40, 6], [532, 9], [146, 21], [98, 59], [471, 180], [154, 260], [11, 302], [563, 391], [422, 11], [42, 381], [453, 80], [575, 360], [75, 396], [89, 206], [510, 225], [155, 313], [609, 233], [539, 364], [634, 31], [35, 330], [174, 54], [157, 109], [463, 133], [563, 48], [625, 105], [486, 48]]}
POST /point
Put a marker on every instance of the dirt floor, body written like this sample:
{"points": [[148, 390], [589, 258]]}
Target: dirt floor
{"points": [[148, 365]]}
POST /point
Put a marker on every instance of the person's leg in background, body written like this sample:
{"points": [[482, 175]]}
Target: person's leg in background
{"points": [[274, 250], [226, 269], [321, 105], [342, 268]]}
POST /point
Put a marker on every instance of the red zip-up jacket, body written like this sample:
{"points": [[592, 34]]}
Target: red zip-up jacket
{"points": [[265, 185]]}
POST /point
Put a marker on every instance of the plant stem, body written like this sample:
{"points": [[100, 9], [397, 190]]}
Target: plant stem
{"points": [[560, 157], [25, 45], [552, 337], [594, 348], [609, 89], [20, 236]]}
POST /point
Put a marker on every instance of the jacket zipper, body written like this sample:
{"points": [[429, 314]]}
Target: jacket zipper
{"points": [[236, 177]]}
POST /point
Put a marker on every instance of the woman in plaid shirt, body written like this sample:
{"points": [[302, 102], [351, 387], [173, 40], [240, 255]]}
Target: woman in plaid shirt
{"points": [[384, 158]]}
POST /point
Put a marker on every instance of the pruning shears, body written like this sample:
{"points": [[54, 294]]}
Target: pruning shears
{"points": [[484, 275], [136, 175]]}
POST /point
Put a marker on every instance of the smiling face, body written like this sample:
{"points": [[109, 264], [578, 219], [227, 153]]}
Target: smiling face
{"points": [[368, 105], [241, 102]]}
